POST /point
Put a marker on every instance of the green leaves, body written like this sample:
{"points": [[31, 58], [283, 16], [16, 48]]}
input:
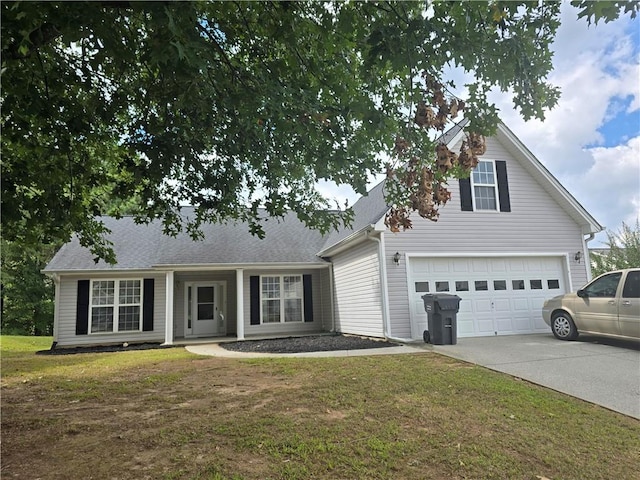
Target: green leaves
{"points": [[623, 250], [608, 11], [229, 106]]}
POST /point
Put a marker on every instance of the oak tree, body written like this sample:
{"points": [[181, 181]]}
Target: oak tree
{"points": [[240, 108]]}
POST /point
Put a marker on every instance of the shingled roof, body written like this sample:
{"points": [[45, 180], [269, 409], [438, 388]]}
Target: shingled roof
{"points": [[139, 246]]}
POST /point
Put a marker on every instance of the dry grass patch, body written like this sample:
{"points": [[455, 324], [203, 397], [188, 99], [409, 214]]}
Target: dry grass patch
{"points": [[168, 414]]}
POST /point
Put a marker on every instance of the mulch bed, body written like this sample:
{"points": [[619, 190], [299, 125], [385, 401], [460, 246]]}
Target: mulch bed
{"points": [[103, 348], [316, 343]]}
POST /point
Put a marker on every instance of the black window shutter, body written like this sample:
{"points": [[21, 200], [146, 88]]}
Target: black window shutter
{"points": [[503, 186], [147, 304], [82, 308], [308, 298], [466, 204], [254, 299]]}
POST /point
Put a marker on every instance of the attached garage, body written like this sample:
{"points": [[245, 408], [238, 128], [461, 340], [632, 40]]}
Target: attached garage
{"points": [[501, 295]]}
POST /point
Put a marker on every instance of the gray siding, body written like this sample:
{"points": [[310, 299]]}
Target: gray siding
{"points": [[321, 305], [66, 310], [358, 298], [536, 224]]}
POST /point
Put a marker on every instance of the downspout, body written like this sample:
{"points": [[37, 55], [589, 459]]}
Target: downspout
{"points": [[56, 310], [332, 299], [587, 258], [386, 325]]}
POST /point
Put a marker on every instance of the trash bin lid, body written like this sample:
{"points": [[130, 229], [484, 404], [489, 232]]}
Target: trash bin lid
{"points": [[448, 302]]}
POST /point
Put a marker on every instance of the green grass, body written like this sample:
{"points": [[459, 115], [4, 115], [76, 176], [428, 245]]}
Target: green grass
{"points": [[172, 415]]}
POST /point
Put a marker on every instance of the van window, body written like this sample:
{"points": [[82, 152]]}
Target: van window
{"points": [[605, 286], [632, 285]]}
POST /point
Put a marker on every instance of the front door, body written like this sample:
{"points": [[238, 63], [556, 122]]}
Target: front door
{"points": [[204, 312], [597, 310]]}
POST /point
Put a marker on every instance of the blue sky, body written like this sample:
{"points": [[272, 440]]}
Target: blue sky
{"points": [[591, 140]]}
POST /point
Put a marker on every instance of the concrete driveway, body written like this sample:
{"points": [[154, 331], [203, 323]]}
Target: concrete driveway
{"points": [[602, 371]]}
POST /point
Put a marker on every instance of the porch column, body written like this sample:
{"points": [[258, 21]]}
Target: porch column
{"points": [[168, 324], [239, 304]]}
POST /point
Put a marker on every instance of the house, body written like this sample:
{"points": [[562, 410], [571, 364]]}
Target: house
{"points": [[510, 237]]}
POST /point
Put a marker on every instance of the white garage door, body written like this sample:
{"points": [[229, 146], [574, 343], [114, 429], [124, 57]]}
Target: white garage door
{"points": [[500, 295]]}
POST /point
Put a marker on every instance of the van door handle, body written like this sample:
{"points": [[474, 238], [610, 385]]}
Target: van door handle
{"points": [[626, 303], [611, 302]]}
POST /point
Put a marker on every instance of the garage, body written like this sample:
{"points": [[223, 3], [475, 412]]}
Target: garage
{"points": [[501, 295]]}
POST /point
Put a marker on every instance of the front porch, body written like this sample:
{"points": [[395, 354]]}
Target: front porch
{"points": [[216, 305]]}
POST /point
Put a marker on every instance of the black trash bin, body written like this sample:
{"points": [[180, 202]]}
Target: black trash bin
{"points": [[442, 325]]}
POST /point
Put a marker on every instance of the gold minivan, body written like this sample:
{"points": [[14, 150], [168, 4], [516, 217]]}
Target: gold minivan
{"points": [[608, 305]]}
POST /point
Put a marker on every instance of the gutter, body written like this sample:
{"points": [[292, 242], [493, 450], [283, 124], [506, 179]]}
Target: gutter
{"points": [[585, 254]]}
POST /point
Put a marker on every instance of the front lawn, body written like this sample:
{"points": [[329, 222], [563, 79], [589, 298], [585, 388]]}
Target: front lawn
{"points": [[168, 414]]}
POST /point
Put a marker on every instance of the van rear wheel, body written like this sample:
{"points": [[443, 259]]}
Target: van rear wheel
{"points": [[563, 327]]}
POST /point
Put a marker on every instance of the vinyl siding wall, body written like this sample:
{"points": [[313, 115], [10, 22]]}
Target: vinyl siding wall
{"points": [[358, 298], [321, 305], [66, 313], [536, 224]]}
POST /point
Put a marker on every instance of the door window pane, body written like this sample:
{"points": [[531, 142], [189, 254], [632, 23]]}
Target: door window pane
{"points": [[442, 286], [422, 287], [205, 294], [205, 311], [517, 284], [536, 284], [553, 284], [481, 285], [499, 284], [632, 285], [462, 286], [605, 287]]}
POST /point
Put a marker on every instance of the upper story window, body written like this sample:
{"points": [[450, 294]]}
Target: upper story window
{"points": [[485, 187]]}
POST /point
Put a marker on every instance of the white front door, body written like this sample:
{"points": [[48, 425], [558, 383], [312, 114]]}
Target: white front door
{"points": [[204, 310]]}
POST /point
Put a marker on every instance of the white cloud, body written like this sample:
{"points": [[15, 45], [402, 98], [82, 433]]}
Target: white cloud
{"points": [[613, 184], [598, 71]]}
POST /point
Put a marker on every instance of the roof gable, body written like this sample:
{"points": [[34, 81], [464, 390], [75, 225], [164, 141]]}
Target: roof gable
{"points": [[370, 209]]}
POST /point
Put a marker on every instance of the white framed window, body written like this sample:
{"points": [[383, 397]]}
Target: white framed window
{"points": [[485, 186], [115, 306], [281, 298]]}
